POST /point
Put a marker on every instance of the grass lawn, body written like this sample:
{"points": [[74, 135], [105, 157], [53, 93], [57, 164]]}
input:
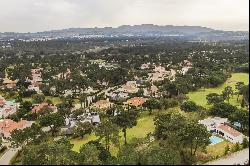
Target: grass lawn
{"points": [[218, 149], [145, 125], [200, 96], [78, 142], [55, 100]]}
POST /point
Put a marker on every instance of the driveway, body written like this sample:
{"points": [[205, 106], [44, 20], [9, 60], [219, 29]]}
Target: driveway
{"points": [[236, 158], [5, 159]]}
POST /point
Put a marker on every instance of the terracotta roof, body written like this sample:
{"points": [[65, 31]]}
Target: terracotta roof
{"points": [[8, 125], [42, 106], [229, 130], [102, 104], [136, 101]]}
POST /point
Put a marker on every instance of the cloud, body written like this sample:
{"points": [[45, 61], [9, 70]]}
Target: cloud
{"points": [[40, 15]]}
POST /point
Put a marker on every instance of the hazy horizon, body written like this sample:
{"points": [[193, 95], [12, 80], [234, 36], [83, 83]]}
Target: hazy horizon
{"points": [[45, 15]]}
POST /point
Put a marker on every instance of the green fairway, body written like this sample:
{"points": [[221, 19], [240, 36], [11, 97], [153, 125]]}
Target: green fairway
{"points": [[200, 96], [78, 142], [55, 100], [145, 125]]}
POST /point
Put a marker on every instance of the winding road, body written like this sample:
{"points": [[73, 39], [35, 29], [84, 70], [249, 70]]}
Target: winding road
{"points": [[239, 157], [8, 155]]}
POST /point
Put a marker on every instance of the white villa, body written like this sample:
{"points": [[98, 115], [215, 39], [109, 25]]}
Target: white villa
{"points": [[7, 107], [230, 134], [218, 125]]}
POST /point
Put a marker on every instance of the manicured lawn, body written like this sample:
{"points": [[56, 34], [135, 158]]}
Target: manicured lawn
{"points": [[55, 100], [78, 142], [145, 125], [218, 149], [200, 96]]}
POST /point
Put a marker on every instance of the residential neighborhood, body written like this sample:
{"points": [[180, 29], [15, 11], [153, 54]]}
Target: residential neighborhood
{"points": [[114, 82]]}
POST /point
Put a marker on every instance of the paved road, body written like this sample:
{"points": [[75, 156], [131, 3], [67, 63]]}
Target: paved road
{"points": [[5, 159], [236, 158]]}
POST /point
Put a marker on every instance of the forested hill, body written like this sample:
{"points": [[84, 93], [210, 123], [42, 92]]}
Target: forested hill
{"points": [[144, 30]]}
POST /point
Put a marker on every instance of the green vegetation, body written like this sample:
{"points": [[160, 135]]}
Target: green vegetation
{"points": [[199, 97], [145, 125], [218, 149]]}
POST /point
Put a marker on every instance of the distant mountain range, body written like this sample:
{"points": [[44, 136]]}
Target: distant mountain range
{"points": [[145, 30]]}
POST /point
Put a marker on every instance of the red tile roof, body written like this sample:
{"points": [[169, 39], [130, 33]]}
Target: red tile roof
{"points": [[136, 101], [229, 130], [42, 106], [8, 125]]}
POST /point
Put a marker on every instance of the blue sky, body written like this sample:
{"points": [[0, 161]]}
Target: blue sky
{"points": [[40, 15]]}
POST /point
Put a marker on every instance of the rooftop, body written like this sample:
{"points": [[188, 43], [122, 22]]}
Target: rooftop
{"points": [[136, 101], [8, 125], [229, 130]]}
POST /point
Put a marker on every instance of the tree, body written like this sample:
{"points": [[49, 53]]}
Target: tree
{"points": [[83, 99], [169, 103], [38, 98], [54, 121], [64, 109], [50, 153], [168, 126], [236, 147], [89, 155], [189, 106], [245, 93], [227, 92], [128, 155], [222, 109], [242, 117], [83, 128], [239, 86], [140, 92], [214, 98], [27, 105], [77, 113], [20, 137], [194, 136], [161, 156], [126, 119], [152, 104], [245, 143], [108, 131], [227, 149], [104, 155]]}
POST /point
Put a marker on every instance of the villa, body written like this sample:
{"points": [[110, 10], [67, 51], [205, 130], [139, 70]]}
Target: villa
{"points": [[135, 101], [230, 134], [7, 107], [10, 84], [102, 104], [36, 80], [39, 107], [128, 89], [153, 90], [8, 125], [145, 66], [219, 126]]}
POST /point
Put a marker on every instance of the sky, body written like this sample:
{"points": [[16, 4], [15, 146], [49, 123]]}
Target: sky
{"points": [[41, 15]]}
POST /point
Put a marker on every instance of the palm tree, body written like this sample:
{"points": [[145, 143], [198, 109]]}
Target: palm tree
{"points": [[82, 99]]}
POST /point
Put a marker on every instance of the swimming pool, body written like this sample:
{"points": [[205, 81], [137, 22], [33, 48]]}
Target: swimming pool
{"points": [[215, 140]]}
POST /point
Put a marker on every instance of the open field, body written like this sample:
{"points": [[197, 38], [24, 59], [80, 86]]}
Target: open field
{"points": [[200, 96]]}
